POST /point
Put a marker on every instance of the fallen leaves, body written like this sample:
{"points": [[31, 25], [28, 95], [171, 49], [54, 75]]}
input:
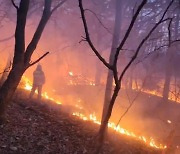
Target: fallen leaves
{"points": [[34, 128]]}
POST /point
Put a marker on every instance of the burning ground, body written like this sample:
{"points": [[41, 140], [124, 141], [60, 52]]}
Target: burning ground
{"points": [[141, 93], [150, 129], [39, 128]]}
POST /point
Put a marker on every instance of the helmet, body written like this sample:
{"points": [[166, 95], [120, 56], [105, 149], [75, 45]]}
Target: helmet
{"points": [[39, 67]]}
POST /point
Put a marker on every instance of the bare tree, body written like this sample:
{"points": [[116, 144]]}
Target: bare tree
{"points": [[115, 42], [113, 66], [22, 55], [171, 51]]}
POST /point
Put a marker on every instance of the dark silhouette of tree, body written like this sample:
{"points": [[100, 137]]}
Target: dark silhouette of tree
{"points": [[112, 66], [115, 42], [173, 30], [22, 55]]}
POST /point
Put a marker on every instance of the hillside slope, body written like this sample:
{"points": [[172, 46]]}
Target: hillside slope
{"points": [[33, 127]]}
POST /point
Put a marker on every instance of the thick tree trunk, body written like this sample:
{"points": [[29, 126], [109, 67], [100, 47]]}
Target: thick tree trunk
{"points": [[168, 74], [169, 61], [8, 88], [104, 124], [109, 99], [109, 82], [22, 56]]}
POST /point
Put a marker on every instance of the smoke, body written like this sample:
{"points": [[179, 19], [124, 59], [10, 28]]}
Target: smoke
{"points": [[85, 88]]}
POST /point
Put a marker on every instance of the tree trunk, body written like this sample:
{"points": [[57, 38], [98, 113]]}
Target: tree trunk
{"points": [[8, 88], [109, 82], [168, 72], [169, 62], [108, 101], [104, 124], [168, 75], [22, 56]]}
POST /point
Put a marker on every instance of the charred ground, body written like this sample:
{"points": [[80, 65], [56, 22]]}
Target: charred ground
{"points": [[34, 127]]}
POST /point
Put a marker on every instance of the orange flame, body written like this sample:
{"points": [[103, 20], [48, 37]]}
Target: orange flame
{"points": [[121, 130], [28, 86], [93, 118], [79, 80], [157, 93]]}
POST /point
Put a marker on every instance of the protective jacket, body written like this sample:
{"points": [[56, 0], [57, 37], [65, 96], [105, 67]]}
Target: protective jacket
{"points": [[38, 77]]}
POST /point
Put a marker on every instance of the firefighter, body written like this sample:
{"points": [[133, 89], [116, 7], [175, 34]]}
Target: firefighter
{"points": [[38, 81]]}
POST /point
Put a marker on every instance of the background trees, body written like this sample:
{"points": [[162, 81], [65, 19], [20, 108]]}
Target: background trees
{"points": [[147, 52], [112, 64]]}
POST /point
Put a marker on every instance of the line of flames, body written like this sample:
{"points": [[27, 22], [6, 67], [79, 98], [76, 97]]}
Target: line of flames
{"points": [[151, 142], [155, 93], [151, 92], [28, 86]]}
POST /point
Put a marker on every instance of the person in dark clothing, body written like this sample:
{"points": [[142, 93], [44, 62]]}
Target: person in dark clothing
{"points": [[38, 81]]}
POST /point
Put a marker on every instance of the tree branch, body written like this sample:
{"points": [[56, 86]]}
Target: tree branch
{"points": [[128, 108], [20, 31], [169, 31], [58, 5], [7, 69], [16, 7], [99, 21], [128, 31], [144, 40], [175, 41], [152, 52], [6, 39], [31, 64], [89, 39], [37, 35]]}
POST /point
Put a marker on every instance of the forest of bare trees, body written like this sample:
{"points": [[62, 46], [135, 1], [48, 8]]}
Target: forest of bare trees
{"points": [[100, 53]]}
